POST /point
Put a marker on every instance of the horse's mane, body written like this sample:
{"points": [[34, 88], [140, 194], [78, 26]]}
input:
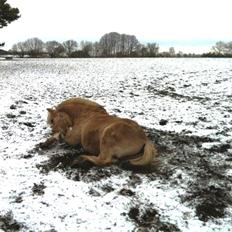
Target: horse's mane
{"points": [[75, 107], [78, 100]]}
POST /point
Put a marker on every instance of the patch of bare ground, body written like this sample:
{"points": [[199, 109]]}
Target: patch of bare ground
{"points": [[9, 224]]}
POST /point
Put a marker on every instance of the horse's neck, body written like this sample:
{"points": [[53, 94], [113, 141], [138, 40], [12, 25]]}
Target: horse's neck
{"points": [[81, 112], [89, 112]]}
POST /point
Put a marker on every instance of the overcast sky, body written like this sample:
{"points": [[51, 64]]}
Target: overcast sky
{"points": [[188, 25]]}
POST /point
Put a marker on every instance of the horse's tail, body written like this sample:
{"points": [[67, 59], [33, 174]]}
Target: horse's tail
{"points": [[149, 153]]}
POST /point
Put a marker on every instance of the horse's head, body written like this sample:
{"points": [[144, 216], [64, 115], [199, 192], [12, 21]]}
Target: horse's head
{"points": [[59, 121]]}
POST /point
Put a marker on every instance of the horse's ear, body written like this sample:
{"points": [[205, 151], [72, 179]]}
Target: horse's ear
{"points": [[51, 111]]}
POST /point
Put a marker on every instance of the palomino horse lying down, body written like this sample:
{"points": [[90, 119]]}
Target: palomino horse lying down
{"points": [[106, 138]]}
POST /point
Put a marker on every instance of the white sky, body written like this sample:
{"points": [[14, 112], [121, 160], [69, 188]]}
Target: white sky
{"points": [[188, 25]]}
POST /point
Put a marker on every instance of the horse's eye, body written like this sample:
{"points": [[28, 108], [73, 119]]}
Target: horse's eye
{"points": [[52, 121]]}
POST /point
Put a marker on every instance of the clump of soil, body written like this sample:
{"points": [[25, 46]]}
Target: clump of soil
{"points": [[126, 192], [38, 189], [149, 218], [8, 223]]}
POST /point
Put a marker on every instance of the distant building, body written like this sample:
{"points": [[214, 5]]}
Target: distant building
{"points": [[8, 57], [3, 52]]}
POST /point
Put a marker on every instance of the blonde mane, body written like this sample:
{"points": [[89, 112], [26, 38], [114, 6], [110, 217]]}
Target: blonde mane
{"points": [[77, 107], [78, 101]]}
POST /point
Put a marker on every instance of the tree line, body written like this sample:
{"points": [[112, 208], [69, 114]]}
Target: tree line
{"points": [[220, 49], [110, 45]]}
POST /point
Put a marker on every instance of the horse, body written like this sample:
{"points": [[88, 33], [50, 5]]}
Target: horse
{"points": [[105, 138]]}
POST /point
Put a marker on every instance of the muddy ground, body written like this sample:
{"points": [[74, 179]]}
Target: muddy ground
{"points": [[207, 188]]}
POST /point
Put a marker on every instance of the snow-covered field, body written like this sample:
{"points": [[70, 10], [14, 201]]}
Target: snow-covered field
{"points": [[185, 105]]}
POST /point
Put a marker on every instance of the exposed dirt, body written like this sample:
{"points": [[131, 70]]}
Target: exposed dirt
{"points": [[149, 218], [8, 224], [170, 91], [38, 189]]}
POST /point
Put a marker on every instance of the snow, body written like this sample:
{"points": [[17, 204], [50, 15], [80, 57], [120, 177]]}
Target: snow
{"points": [[193, 95]]}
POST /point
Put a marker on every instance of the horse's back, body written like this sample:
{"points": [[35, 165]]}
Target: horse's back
{"points": [[110, 131], [107, 125]]}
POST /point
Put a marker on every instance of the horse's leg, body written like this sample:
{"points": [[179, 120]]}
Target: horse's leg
{"points": [[97, 160], [117, 141], [50, 141], [107, 151], [72, 136]]}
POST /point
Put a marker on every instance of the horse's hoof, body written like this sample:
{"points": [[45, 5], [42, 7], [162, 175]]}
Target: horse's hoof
{"points": [[42, 146], [47, 144]]}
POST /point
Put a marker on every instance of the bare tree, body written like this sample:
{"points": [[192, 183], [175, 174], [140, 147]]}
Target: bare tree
{"points": [[105, 44], [229, 48], [152, 49], [70, 46], [54, 49], [113, 44], [19, 49], [34, 47], [133, 42], [87, 48], [219, 48], [172, 51], [123, 44], [144, 51], [96, 50]]}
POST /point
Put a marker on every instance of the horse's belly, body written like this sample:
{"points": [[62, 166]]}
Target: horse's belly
{"points": [[91, 142]]}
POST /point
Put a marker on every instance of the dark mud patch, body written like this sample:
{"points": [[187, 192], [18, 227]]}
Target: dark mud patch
{"points": [[211, 201], [62, 159], [126, 165], [127, 192], [96, 174], [208, 187], [57, 161], [18, 199], [9, 224], [148, 219], [38, 189], [170, 92], [93, 192], [107, 188], [11, 116], [220, 148]]}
